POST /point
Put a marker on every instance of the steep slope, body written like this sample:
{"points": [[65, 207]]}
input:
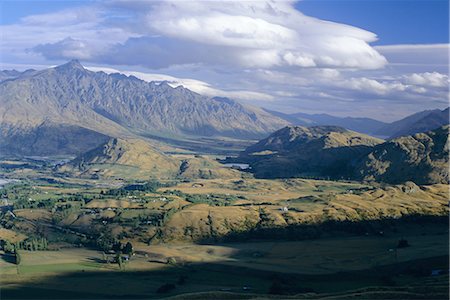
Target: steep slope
{"points": [[418, 122], [49, 139], [321, 151], [115, 104], [422, 158], [119, 158]]}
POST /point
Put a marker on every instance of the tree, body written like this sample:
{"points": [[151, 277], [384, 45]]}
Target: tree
{"points": [[128, 249], [119, 260], [18, 258]]}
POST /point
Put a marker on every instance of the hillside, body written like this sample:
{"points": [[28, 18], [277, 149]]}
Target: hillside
{"points": [[333, 152], [422, 158], [321, 151], [118, 158], [116, 105], [202, 167], [418, 122], [133, 159]]}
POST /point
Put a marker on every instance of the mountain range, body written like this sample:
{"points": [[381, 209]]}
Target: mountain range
{"points": [[70, 110], [419, 122], [68, 100]]}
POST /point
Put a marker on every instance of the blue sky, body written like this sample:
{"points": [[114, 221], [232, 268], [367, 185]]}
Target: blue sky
{"points": [[394, 21], [13, 10], [383, 59]]}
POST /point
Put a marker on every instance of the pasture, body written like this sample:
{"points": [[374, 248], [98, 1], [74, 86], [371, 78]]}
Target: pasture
{"points": [[327, 265]]}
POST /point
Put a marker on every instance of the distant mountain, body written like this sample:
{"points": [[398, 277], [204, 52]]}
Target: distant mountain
{"points": [[333, 152], [363, 125], [422, 158], [418, 122], [116, 106], [7, 74], [296, 151], [11, 74]]}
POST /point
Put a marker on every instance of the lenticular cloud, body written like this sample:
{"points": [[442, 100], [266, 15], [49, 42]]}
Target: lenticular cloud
{"points": [[259, 34], [265, 34]]}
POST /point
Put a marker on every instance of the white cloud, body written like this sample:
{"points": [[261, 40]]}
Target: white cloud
{"points": [[197, 86], [252, 34], [433, 79], [68, 47], [373, 86], [266, 33]]}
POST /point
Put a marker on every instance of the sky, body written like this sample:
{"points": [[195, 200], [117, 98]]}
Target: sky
{"points": [[382, 59]]}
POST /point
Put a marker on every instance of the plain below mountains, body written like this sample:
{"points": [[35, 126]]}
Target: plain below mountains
{"points": [[63, 103], [338, 153]]}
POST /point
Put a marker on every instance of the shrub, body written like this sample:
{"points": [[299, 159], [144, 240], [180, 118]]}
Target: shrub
{"points": [[403, 243]]}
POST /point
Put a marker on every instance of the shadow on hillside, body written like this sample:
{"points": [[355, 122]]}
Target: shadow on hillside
{"points": [[9, 258], [334, 163], [220, 279], [379, 227]]}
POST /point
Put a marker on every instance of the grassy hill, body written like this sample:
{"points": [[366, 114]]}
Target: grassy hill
{"points": [[422, 158], [119, 158], [295, 151], [334, 152]]}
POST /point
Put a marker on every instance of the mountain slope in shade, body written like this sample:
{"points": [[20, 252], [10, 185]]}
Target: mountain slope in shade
{"points": [[49, 139], [320, 151], [418, 122], [116, 105], [333, 152], [422, 158], [129, 159]]}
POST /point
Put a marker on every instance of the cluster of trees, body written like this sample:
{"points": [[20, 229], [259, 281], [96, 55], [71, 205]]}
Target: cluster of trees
{"points": [[213, 199], [131, 189], [106, 242], [127, 248], [24, 203], [32, 244], [120, 250]]}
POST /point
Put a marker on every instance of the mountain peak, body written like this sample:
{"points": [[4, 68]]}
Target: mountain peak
{"points": [[72, 64]]}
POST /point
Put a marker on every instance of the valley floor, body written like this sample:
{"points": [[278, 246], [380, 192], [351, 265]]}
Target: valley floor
{"points": [[317, 267]]}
